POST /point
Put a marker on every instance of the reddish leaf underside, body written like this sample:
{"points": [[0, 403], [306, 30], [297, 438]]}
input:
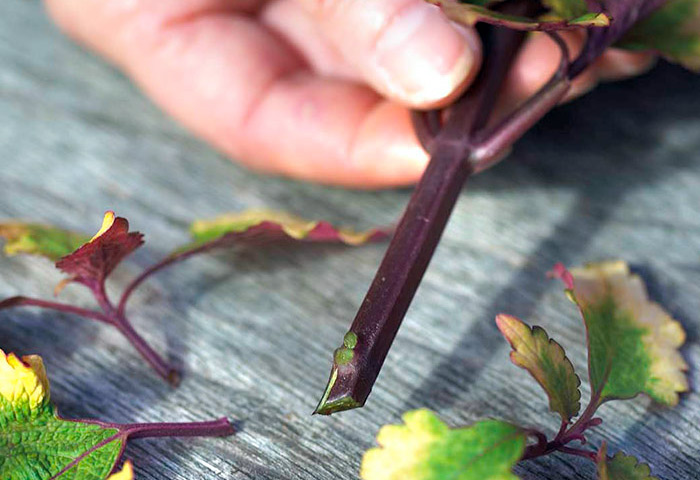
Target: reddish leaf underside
{"points": [[92, 263]]}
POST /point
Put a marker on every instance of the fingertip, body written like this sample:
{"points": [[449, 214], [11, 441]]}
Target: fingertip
{"points": [[423, 60]]}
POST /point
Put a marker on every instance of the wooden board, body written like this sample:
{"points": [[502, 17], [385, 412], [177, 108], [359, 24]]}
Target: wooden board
{"points": [[614, 175]]}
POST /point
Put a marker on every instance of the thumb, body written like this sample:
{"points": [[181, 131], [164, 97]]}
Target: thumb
{"points": [[406, 49]]}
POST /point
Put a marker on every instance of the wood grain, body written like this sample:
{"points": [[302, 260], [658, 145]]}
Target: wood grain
{"points": [[614, 175]]}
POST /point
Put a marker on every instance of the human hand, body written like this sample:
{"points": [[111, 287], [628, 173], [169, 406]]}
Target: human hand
{"points": [[312, 89]]}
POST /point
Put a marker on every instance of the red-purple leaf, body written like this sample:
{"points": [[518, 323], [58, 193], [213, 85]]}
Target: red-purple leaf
{"points": [[92, 263]]}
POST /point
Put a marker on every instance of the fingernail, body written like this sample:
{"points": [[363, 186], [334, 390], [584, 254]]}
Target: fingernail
{"points": [[422, 57]]}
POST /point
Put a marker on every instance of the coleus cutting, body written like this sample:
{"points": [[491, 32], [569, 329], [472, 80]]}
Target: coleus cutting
{"points": [[632, 348], [467, 138], [37, 444], [90, 261]]}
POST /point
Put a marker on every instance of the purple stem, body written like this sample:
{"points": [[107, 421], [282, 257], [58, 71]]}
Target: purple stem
{"points": [[580, 453], [214, 428], [109, 316], [575, 432], [503, 135], [122, 324], [457, 150], [584, 421], [562, 430], [358, 362], [166, 262], [60, 307], [163, 368], [426, 125]]}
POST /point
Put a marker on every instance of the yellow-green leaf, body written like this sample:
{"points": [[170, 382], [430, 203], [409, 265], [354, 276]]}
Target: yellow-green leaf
{"points": [[632, 342], [546, 361], [567, 8], [621, 467], [425, 448], [673, 31], [470, 14], [37, 239]]}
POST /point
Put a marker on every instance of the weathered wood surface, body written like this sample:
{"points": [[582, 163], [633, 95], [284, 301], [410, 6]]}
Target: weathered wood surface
{"points": [[614, 175]]}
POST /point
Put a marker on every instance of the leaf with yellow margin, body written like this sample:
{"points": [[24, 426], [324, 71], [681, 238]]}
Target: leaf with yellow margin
{"points": [[424, 448], [565, 15], [263, 226], [37, 444], [621, 467], [36, 239], [92, 263], [546, 361], [632, 342]]}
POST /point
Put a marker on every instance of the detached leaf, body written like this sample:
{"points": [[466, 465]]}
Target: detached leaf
{"points": [[632, 342], [546, 361], [37, 444], [673, 31], [470, 14], [266, 225], [92, 263], [621, 467], [42, 240], [424, 448]]}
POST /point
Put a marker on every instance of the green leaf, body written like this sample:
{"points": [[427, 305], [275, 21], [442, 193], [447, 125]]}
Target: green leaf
{"points": [[470, 14], [673, 31], [546, 361], [425, 448], [37, 444], [36, 239], [567, 8], [632, 342], [621, 467]]}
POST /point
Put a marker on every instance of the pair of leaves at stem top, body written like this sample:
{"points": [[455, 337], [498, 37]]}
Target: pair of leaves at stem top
{"points": [[632, 348], [673, 30], [561, 15], [37, 444], [91, 261]]}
